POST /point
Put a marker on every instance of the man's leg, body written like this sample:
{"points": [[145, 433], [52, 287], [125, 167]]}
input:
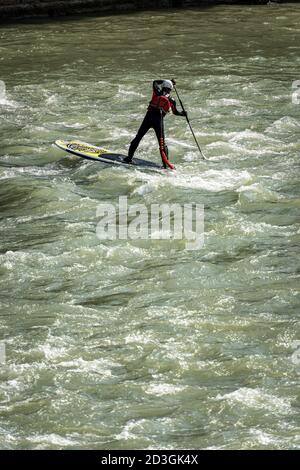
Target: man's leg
{"points": [[145, 126], [163, 149]]}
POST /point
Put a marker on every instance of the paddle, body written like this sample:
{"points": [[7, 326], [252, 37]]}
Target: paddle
{"points": [[188, 121]]}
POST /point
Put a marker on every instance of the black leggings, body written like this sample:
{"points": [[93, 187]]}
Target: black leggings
{"points": [[152, 120]]}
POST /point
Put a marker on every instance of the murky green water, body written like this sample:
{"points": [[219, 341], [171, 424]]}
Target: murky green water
{"points": [[123, 344]]}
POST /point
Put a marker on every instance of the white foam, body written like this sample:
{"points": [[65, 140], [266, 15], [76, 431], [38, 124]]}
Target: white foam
{"points": [[138, 338], [264, 438], [248, 134], [75, 125], [52, 99], [224, 102], [210, 180], [257, 399], [100, 366], [191, 157], [256, 192], [55, 440], [11, 259], [4, 101], [127, 92], [160, 390], [285, 123], [127, 432], [31, 171]]}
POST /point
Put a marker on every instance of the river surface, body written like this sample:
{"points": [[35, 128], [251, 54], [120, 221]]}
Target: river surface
{"points": [[143, 344]]}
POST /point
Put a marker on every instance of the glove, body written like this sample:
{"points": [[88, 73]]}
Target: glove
{"points": [[184, 113], [173, 81]]}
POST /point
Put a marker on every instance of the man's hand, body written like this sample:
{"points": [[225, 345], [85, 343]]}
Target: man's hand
{"points": [[173, 81], [184, 113]]}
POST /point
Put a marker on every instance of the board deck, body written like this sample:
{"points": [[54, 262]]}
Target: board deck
{"points": [[91, 152]]}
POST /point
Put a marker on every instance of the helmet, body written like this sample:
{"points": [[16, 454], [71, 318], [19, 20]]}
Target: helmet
{"points": [[166, 87]]}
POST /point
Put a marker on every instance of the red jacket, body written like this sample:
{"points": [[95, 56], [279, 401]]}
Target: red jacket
{"points": [[162, 103]]}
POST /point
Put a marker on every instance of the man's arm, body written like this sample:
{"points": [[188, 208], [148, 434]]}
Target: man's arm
{"points": [[175, 110]]}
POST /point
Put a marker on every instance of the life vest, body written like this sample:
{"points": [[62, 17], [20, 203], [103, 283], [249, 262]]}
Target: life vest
{"points": [[160, 103]]}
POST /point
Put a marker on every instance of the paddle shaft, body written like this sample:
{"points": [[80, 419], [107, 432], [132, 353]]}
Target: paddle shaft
{"points": [[188, 121]]}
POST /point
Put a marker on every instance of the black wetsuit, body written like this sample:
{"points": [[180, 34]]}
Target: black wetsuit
{"points": [[152, 120], [159, 106]]}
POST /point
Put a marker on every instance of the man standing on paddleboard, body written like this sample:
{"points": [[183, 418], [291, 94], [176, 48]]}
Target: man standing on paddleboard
{"points": [[160, 104]]}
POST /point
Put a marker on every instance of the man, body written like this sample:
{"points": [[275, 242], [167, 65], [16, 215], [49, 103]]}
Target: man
{"points": [[160, 104]]}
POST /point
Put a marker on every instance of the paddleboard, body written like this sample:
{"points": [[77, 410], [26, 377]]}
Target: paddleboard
{"points": [[91, 152]]}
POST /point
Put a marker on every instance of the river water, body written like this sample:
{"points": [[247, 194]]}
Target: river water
{"points": [[144, 344]]}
